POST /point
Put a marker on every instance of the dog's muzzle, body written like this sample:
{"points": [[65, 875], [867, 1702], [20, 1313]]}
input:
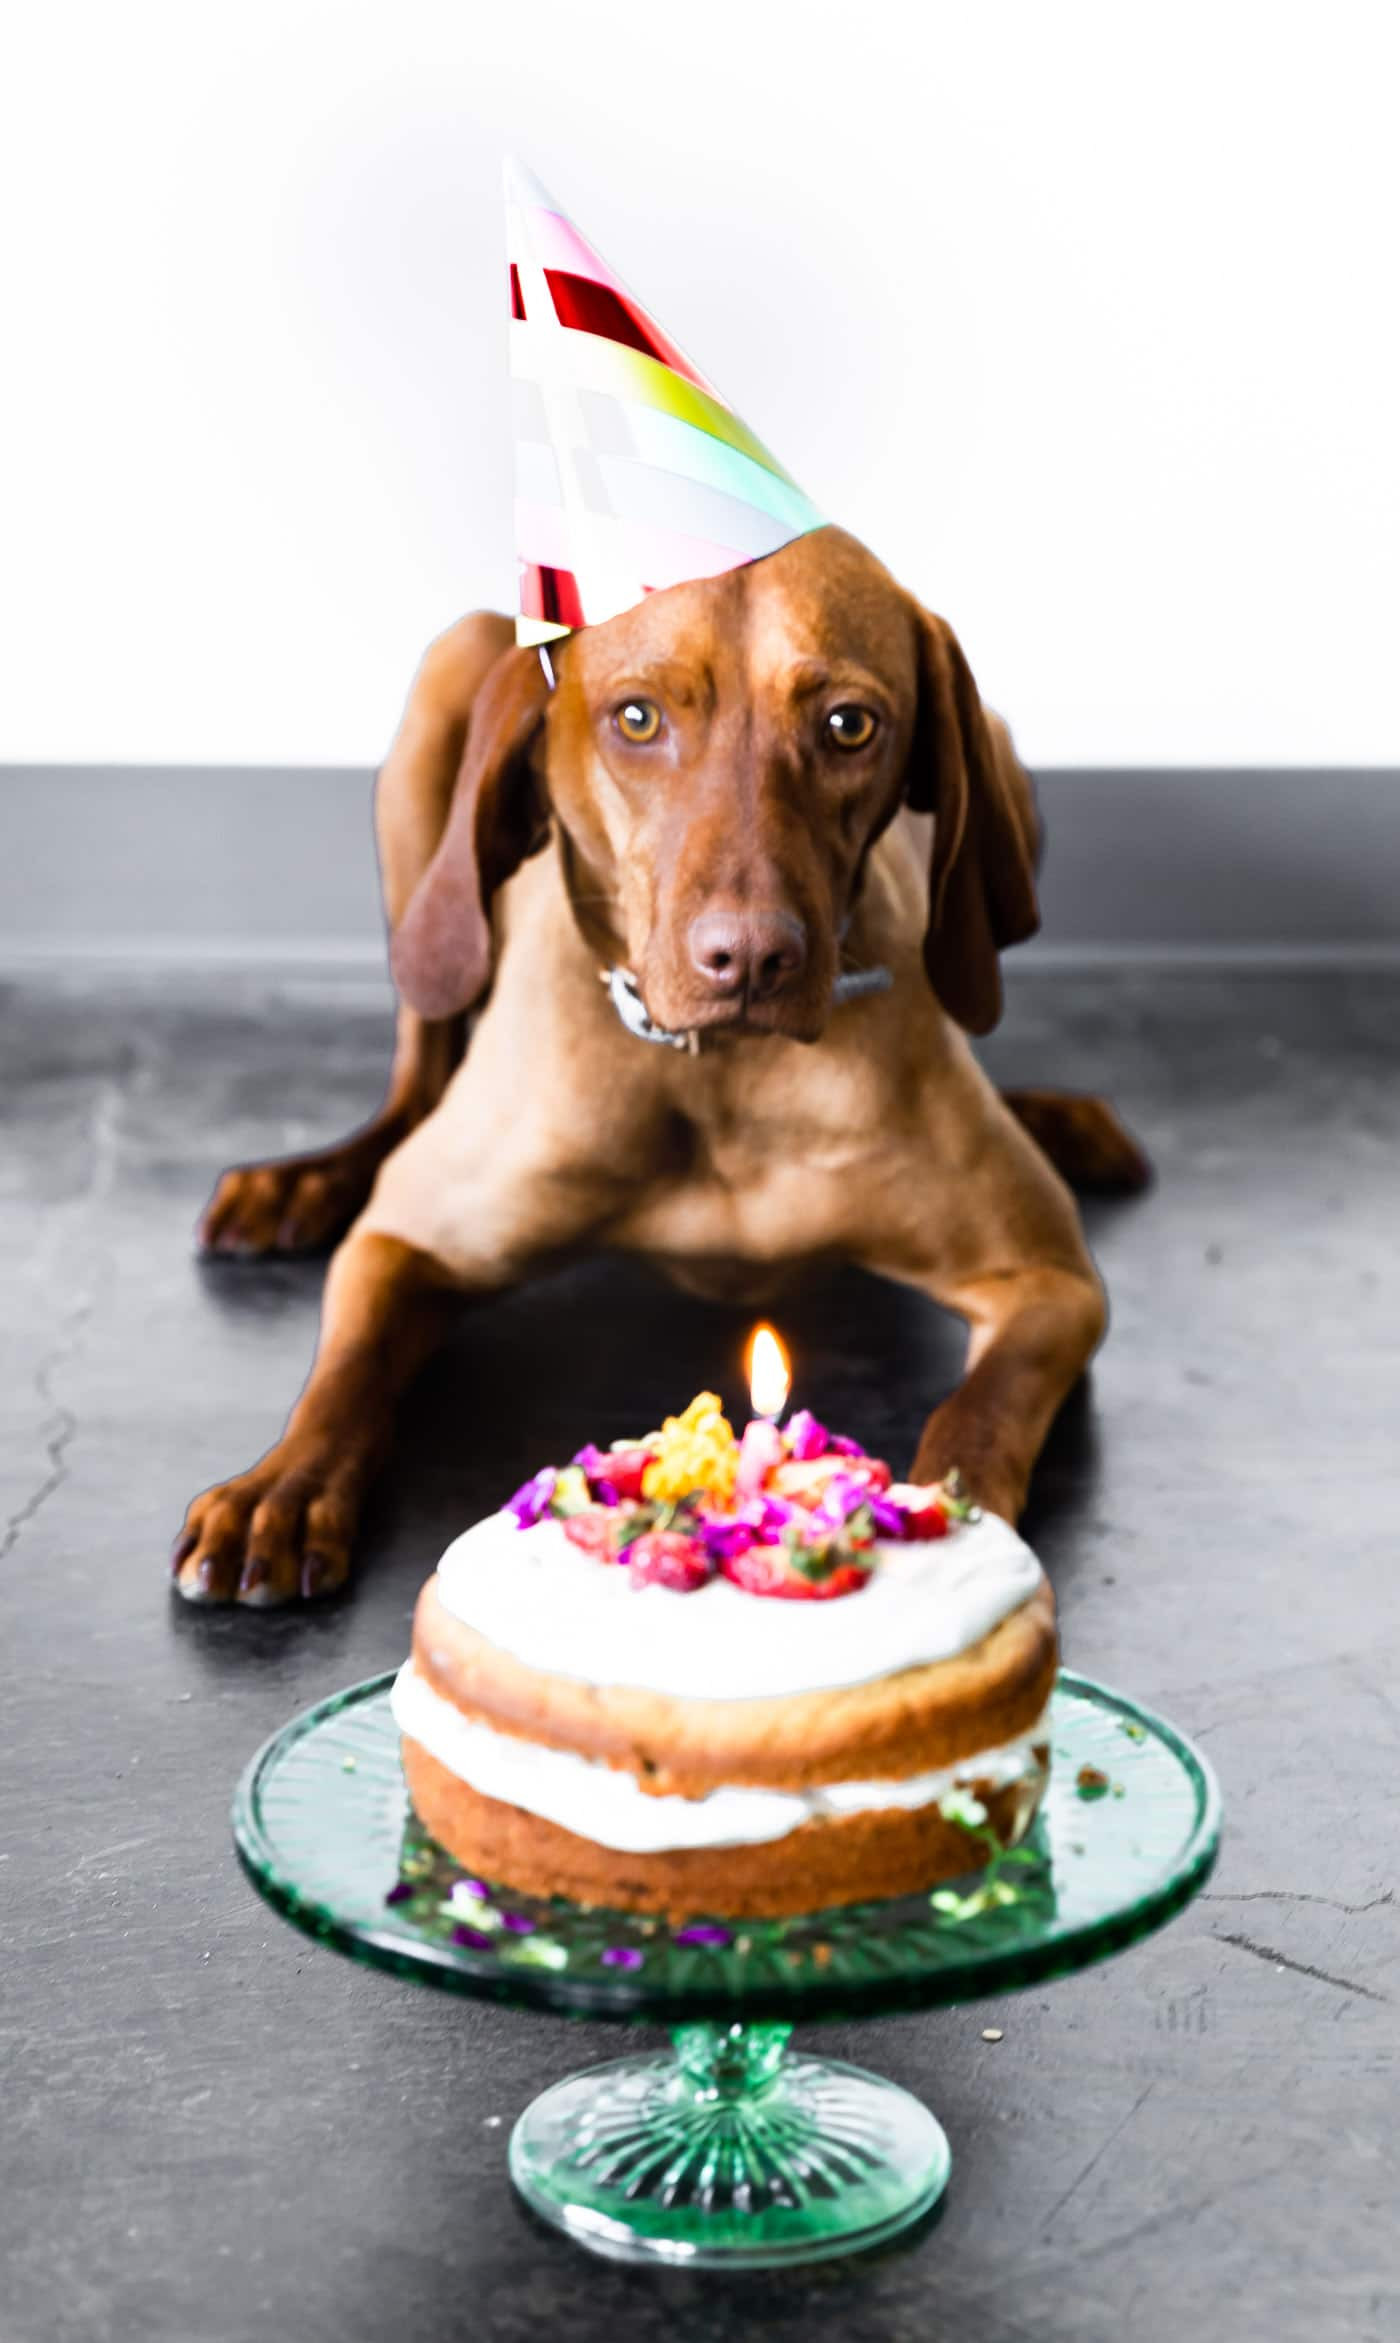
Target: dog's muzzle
{"points": [[857, 984]]}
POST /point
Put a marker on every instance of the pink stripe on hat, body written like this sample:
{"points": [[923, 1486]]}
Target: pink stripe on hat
{"points": [[558, 244]]}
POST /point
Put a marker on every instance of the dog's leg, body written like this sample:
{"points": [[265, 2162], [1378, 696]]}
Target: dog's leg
{"points": [[482, 1195], [285, 1528], [994, 1237], [304, 1203], [1084, 1139], [1033, 1333]]}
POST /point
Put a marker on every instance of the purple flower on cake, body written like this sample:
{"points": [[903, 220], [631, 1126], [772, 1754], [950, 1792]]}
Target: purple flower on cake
{"points": [[759, 1521], [724, 1539], [531, 1503], [842, 1497], [517, 1923], [806, 1438], [621, 1956], [475, 1939], [890, 1519], [473, 1891], [400, 1892], [703, 1932]]}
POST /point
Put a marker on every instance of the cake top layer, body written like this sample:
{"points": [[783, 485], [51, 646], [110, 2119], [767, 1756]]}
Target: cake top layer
{"points": [[580, 1575], [530, 1592]]}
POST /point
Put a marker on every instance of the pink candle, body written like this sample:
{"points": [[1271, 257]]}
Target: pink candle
{"points": [[759, 1451]]}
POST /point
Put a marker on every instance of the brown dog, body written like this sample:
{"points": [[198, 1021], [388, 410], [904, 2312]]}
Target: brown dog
{"points": [[725, 794]]}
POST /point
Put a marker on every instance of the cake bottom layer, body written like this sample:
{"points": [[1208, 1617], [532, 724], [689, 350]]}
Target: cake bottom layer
{"points": [[847, 1859]]}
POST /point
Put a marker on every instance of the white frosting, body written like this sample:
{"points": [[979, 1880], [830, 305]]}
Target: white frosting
{"points": [[600, 1803], [534, 1594]]}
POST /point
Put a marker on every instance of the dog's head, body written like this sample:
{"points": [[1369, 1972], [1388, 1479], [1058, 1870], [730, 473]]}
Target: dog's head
{"points": [[719, 762]]}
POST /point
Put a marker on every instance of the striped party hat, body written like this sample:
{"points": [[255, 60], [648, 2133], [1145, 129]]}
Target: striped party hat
{"points": [[632, 473]]}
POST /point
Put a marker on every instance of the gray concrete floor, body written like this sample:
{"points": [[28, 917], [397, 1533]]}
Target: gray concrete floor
{"points": [[213, 2131]]}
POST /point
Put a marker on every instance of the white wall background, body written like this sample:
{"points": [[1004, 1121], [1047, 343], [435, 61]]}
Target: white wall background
{"points": [[1084, 316]]}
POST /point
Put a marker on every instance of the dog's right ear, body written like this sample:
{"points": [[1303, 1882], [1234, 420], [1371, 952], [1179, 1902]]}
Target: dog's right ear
{"points": [[440, 952]]}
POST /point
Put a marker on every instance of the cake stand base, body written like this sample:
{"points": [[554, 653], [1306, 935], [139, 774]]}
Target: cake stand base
{"points": [[732, 2154]]}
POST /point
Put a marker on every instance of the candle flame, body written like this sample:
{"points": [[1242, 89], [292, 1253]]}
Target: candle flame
{"points": [[770, 1376]]}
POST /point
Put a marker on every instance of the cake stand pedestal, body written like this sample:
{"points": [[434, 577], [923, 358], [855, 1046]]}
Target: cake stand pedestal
{"points": [[734, 2151]]}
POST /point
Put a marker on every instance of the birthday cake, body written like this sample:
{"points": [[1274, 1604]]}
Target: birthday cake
{"points": [[694, 1674]]}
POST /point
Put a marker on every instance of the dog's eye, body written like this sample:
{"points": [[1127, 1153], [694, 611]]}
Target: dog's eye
{"points": [[638, 721], [852, 727]]}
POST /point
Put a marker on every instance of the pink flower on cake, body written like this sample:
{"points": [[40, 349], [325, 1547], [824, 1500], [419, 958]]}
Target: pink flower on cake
{"points": [[806, 1438]]}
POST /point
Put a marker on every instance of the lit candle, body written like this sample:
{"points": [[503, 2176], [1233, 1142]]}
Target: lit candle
{"points": [[770, 1376], [770, 1380]]}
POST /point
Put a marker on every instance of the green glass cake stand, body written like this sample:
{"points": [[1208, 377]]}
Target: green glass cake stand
{"points": [[732, 2151]]}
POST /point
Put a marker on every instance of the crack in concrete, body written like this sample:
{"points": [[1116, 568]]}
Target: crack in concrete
{"points": [[1084, 2256], [1264, 1952], [61, 1426], [1100, 2151], [1285, 1895]]}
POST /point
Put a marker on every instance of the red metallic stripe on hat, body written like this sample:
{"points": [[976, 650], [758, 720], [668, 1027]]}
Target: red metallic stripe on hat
{"points": [[591, 308], [550, 593], [517, 298]]}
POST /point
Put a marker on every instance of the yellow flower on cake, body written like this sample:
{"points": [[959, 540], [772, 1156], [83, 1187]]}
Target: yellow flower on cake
{"points": [[696, 1450]]}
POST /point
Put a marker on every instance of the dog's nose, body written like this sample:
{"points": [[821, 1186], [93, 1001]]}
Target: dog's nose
{"points": [[755, 953]]}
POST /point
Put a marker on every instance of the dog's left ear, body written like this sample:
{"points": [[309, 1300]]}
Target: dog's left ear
{"points": [[986, 837], [440, 951]]}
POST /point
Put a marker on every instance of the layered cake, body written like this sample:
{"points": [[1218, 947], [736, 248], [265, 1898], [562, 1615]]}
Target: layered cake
{"points": [[697, 1674]]}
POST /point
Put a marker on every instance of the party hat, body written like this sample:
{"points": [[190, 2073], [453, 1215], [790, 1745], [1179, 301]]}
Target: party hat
{"points": [[632, 473]]}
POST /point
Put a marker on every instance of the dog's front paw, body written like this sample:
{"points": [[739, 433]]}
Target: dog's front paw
{"points": [[955, 1440], [302, 1205], [1089, 1146], [276, 1534]]}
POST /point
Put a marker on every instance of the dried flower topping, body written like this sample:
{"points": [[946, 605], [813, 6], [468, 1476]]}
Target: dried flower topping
{"points": [[798, 1512], [694, 1451], [806, 1438], [533, 1502], [475, 1939]]}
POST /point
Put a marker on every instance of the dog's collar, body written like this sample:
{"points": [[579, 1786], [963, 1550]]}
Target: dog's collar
{"points": [[855, 985], [632, 1009]]}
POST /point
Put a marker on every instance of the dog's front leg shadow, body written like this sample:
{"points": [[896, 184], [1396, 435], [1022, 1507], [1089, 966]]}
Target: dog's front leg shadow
{"points": [[286, 1527]]}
